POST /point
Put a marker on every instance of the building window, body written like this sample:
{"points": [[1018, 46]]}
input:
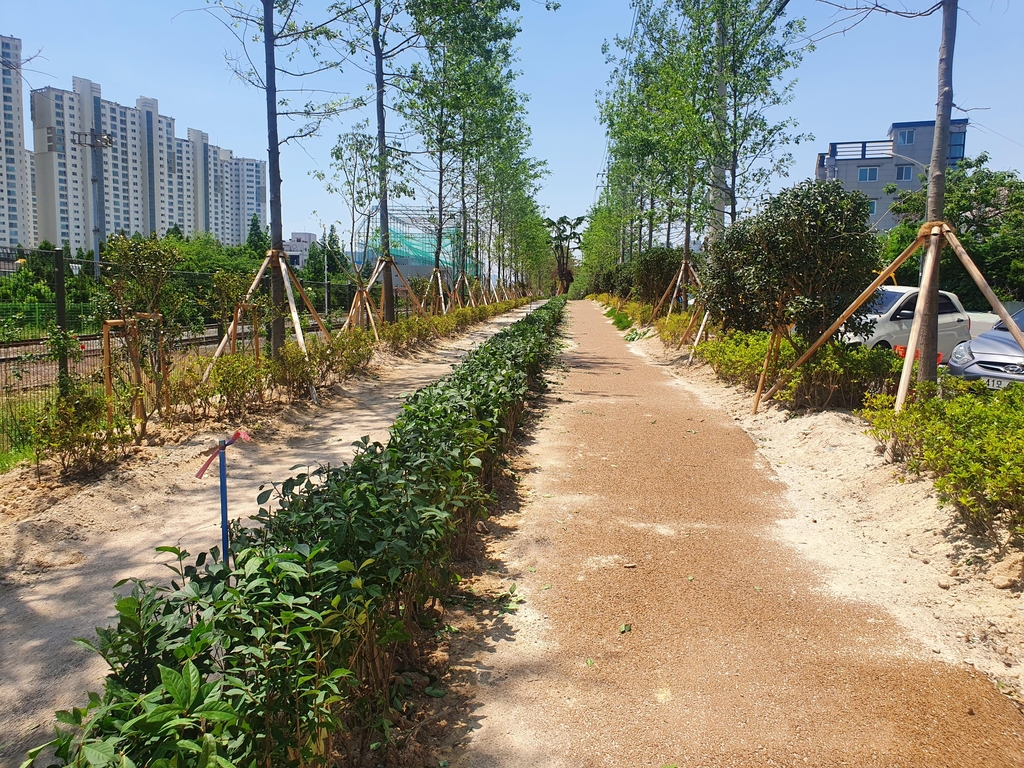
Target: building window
{"points": [[867, 174], [905, 138], [956, 145], [904, 173], [871, 206]]}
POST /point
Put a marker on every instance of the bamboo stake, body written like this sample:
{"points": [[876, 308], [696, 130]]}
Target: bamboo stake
{"points": [[308, 303], [983, 286], [703, 326], [930, 262], [233, 331], [773, 342], [248, 295], [884, 275], [692, 324]]}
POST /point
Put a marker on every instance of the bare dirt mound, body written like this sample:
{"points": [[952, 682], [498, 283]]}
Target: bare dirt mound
{"points": [[664, 621]]}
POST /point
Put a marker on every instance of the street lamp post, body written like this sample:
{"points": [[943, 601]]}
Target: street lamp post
{"points": [[97, 142]]}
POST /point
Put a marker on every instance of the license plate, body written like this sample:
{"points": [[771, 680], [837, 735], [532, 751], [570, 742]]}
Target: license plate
{"points": [[997, 383]]}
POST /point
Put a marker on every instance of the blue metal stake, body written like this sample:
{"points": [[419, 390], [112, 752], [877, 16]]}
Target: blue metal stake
{"points": [[223, 501]]}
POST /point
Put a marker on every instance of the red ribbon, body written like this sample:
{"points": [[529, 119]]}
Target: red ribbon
{"points": [[217, 449]]}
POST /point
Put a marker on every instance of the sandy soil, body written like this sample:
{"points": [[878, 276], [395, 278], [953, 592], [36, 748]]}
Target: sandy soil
{"points": [[63, 545], [692, 596]]}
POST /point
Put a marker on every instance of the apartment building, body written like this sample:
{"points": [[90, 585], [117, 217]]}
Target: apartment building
{"points": [[900, 159], [15, 180], [98, 168]]}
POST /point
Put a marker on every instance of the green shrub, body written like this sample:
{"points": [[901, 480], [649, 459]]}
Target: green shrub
{"points": [[837, 375], [653, 270], [671, 329], [288, 657], [237, 384], [800, 261], [75, 429], [971, 438]]}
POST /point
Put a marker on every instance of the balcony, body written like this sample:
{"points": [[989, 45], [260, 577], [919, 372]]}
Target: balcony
{"points": [[857, 150]]}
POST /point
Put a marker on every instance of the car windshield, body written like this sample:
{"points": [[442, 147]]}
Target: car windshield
{"points": [[882, 301], [1018, 318]]}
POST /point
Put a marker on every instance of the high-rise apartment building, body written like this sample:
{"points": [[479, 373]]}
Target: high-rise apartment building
{"points": [[98, 168], [15, 179], [102, 168]]}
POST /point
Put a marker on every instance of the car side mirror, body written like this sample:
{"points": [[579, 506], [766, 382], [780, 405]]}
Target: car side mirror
{"points": [[904, 314]]}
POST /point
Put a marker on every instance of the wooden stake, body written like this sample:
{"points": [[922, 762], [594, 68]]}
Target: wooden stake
{"points": [[930, 259], [308, 303], [884, 275], [774, 342], [248, 295], [692, 324]]}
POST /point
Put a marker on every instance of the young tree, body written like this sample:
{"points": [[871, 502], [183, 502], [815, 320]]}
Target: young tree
{"points": [[565, 239], [278, 24]]}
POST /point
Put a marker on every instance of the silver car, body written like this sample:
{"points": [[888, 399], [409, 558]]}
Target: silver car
{"points": [[993, 357], [892, 309]]}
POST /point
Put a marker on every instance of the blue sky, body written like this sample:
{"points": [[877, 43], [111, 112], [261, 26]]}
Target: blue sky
{"points": [[850, 88]]}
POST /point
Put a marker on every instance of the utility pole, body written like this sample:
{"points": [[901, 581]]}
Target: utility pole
{"points": [[97, 142]]}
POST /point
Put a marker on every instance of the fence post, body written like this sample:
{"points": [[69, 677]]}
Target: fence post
{"points": [[62, 320]]}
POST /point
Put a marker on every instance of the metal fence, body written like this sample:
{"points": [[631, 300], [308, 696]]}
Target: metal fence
{"points": [[37, 294]]}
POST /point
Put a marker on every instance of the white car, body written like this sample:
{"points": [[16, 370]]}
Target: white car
{"points": [[892, 309]]}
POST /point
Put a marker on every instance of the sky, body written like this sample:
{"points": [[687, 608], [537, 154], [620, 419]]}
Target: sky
{"points": [[850, 88]]}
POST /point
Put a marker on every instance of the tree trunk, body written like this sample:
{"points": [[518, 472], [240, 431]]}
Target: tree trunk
{"points": [[388, 292], [274, 169], [716, 224], [928, 302]]}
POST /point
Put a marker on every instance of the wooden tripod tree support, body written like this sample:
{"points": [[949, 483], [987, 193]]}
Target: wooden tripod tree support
{"points": [[273, 259], [931, 232], [680, 282], [434, 297]]}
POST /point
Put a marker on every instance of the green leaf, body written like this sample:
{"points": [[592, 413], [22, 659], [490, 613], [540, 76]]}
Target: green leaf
{"points": [[98, 753], [625, 628], [175, 685], [437, 693], [264, 496]]}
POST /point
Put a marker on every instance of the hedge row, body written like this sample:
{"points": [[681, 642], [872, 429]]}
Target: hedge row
{"points": [[288, 657]]}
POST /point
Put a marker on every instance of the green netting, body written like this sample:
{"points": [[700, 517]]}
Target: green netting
{"points": [[418, 247]]}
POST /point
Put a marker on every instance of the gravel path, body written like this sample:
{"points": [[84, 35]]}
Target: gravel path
{"points": [[664, 624], [62, 547]]}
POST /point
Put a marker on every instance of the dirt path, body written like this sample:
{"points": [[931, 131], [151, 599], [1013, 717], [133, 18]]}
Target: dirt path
{"points": [[62, 550], [665, 623]]}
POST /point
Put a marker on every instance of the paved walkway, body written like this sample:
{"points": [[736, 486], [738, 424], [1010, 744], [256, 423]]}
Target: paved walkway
{"points": [[664, 625]]}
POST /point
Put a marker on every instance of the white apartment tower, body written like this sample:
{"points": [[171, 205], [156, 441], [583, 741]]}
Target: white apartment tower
{"points": [[15, 179], [101, 168]]}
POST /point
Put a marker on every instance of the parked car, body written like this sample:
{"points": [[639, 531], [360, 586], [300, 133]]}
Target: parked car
{"points": [[892, 309], [993, 357]]}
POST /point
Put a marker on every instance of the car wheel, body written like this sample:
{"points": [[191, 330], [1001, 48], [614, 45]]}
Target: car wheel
{"points": [[882, 345]]}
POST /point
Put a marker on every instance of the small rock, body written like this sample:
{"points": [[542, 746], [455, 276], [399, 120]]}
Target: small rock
{"points": [[970, 710], [481, 527], [925, 560], [936, 650], [629, 565], [954, 571], [1003, 581], [943, 583]]}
